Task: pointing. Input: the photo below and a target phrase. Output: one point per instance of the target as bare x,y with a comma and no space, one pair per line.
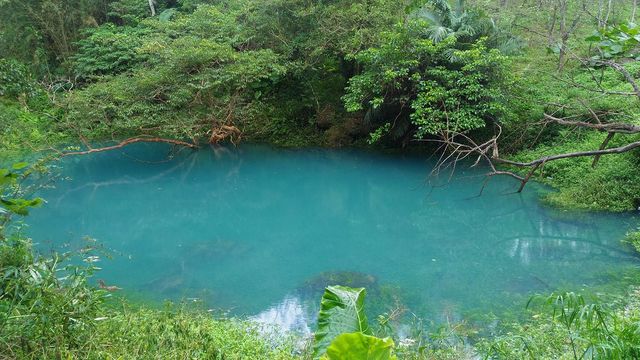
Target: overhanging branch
622,128
458,146
129,142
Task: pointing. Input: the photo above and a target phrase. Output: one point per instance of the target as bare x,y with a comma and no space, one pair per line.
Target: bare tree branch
623,128
458,147
616,150
621,69
128,142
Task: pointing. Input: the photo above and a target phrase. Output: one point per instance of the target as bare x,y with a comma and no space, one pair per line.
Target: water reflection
288,315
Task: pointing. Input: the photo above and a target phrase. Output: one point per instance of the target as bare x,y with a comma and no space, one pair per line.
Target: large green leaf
358,346
341,311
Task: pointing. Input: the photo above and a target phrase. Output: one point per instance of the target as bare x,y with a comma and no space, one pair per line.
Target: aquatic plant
343,331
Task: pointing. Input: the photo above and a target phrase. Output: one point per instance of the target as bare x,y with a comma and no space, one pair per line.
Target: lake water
259,231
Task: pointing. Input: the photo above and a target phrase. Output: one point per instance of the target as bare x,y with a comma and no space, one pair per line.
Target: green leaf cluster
616,41
190,78
435,85
16,81
108,50
10,192
568,326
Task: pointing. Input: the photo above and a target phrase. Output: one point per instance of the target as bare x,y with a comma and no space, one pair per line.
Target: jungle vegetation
540,90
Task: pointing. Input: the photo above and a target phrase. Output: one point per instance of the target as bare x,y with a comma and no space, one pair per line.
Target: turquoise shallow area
260,231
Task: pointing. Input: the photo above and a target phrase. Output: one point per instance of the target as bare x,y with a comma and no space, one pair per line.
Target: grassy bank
138,332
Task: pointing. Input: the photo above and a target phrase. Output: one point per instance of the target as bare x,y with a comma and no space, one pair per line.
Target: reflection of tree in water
291,314
125,179
182,163
550,238
507,246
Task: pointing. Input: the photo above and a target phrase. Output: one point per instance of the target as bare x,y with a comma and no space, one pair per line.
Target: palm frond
430,16
443,10
438,33
459,8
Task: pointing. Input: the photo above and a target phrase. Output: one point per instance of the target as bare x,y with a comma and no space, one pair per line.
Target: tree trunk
606,18
152,7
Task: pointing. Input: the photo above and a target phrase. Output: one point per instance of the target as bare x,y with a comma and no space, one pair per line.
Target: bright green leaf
358,346
341,311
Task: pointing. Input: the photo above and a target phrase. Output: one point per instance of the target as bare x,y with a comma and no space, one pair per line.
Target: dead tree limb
627,76
616,150
460,147
129,142
622,128
152,7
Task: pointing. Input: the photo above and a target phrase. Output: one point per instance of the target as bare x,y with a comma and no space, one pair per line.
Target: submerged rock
354,279
170,283
527,284
213,249
167,284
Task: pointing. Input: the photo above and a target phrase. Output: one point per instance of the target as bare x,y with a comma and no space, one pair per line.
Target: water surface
260,231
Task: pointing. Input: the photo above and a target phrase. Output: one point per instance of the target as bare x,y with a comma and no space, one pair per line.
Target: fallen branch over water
129,142
457,146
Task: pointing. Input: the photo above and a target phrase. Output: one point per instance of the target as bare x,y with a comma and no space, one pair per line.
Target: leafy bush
436,84
193,83
16,81
27,128
108,50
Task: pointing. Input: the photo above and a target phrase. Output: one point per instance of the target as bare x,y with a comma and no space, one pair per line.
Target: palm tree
467,25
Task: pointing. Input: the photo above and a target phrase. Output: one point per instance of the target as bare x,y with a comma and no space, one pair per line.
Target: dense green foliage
582,185
440,86
296,72
189,83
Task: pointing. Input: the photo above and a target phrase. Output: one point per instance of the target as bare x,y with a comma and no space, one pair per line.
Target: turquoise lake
259,231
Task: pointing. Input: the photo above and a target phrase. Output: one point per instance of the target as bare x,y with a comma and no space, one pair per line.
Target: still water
260,231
